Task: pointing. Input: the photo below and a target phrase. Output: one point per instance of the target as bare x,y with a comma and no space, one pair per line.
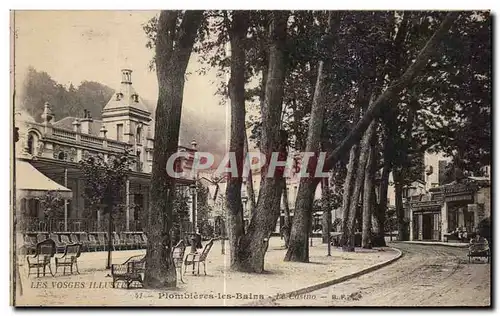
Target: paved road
424,276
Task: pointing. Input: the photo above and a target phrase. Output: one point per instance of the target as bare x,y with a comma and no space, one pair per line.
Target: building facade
448,208
55,147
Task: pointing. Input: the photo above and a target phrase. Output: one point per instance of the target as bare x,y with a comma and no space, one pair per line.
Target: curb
331,282
444,244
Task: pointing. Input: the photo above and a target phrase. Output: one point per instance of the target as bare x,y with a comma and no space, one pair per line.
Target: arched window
62,156
31,144
138,135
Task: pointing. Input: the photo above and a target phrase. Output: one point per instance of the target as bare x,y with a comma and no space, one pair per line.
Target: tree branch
394,89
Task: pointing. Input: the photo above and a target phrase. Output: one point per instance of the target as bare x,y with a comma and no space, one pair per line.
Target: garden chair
126,241
94,242
75,239
44,252
130,271
84,240
143,240
137,240
40,237
178,256
103,241
117,243
65,239
479,248
69,258
197,258
59,245
29,243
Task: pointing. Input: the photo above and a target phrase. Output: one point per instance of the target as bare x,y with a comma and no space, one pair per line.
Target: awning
31,183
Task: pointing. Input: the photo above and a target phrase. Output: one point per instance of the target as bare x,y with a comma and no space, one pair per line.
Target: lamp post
192,187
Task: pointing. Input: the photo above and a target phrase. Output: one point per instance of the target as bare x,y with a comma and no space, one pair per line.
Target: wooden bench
44,252
130,271
69,258
197,258
479,249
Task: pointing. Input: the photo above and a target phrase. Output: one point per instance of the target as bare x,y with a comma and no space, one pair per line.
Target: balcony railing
62,133
91,139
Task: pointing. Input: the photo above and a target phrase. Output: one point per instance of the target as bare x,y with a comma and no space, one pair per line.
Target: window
31,144
119,132
138,135
62,156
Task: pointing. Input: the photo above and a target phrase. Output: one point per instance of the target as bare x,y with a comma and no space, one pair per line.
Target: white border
145,5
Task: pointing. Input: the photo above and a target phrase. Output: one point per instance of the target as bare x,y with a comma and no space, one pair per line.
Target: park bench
130,271
178,256
69,258
197,258
479,249
44,252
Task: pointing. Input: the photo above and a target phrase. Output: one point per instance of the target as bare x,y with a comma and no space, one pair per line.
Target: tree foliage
39,87
104,181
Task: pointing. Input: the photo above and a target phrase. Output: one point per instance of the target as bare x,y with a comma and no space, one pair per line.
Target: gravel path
424,276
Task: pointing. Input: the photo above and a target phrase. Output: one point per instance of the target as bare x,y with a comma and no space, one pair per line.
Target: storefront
448,208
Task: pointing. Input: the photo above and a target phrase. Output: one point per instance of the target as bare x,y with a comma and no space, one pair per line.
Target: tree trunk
110,241
392,91
237,36
381,210
288,221
173,48
298,249
358,186
253,245
399,205
327,213
249,183
346,198
368,196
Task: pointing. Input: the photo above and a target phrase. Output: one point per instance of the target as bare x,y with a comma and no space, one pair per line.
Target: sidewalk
439,243
220,287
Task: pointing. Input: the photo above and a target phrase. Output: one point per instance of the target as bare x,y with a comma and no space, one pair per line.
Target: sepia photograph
257,158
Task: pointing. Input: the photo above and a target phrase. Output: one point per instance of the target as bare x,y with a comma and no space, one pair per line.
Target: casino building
48,154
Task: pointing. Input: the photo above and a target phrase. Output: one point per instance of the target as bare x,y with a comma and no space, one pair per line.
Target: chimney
126,84
86,122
